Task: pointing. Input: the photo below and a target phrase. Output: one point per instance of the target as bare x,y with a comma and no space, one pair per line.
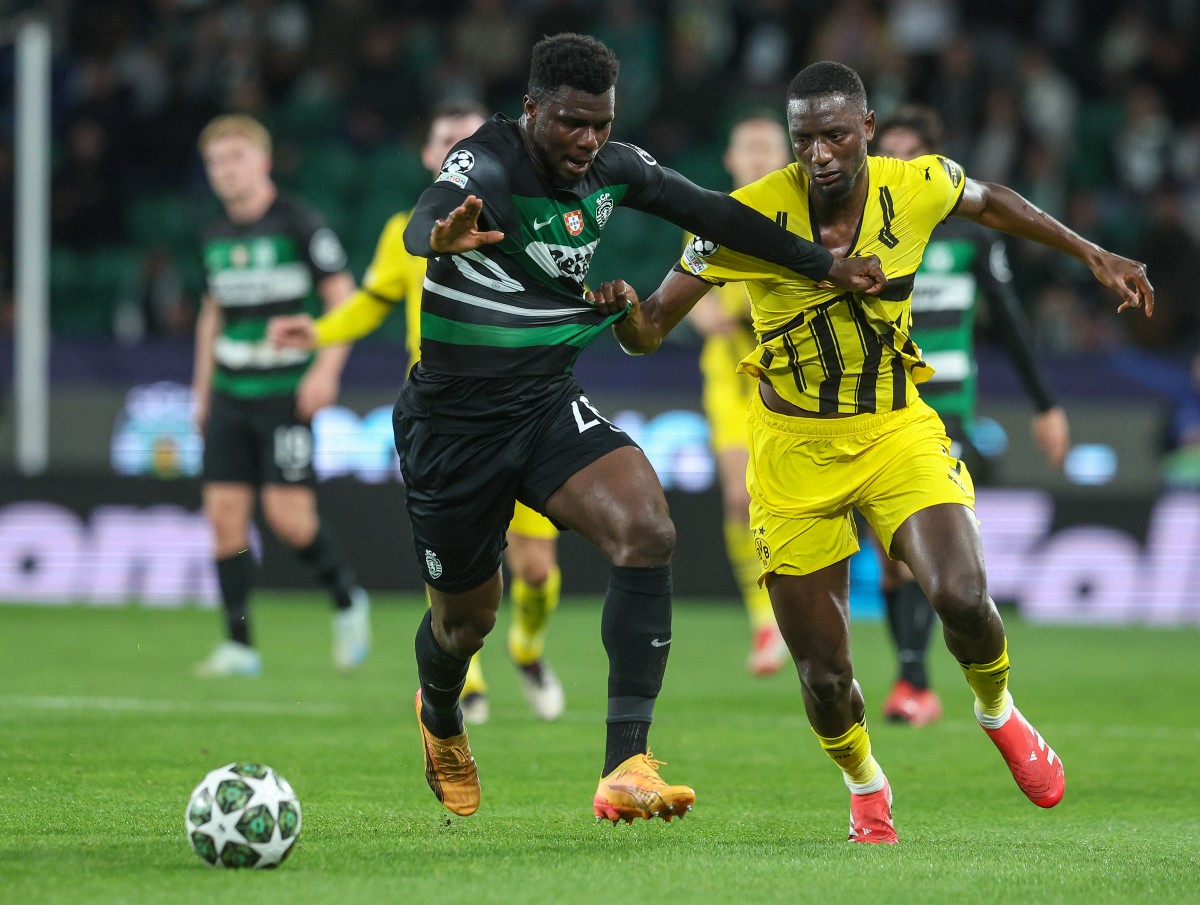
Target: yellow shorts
528,523
806,475
726,393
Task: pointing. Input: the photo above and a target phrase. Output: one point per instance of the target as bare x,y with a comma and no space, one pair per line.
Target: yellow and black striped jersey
822,349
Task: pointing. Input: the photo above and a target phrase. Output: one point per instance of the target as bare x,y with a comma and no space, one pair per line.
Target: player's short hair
457,110
757,115
235,124
826,78
568,60
921,120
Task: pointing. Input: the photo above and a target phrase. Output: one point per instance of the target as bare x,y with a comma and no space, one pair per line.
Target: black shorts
257,441
462,480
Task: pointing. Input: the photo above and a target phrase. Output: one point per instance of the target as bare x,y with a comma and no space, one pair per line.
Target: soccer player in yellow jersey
758,145
837,423
395,276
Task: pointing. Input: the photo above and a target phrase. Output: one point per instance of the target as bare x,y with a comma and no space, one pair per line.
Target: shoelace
648,767
460,768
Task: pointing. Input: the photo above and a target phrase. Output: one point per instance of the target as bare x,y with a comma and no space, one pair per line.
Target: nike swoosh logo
537,225
654,642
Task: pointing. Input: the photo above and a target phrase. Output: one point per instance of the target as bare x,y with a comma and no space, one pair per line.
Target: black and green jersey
517,308
943,324
255,271
962,264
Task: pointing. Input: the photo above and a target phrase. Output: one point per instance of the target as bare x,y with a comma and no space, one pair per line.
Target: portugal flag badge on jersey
574,221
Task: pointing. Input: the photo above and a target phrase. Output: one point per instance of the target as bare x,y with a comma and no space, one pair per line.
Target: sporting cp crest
604,209
574,221
433,565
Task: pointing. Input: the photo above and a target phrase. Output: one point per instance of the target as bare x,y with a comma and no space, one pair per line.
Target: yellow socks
852,752
746,569
989,681
532,607
474,683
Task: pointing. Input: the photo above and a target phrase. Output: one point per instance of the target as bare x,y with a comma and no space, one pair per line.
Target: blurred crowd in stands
1091,108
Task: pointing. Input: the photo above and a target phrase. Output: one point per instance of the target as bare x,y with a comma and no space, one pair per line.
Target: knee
961,600
535,573
647,540
229,532
829,684
296,533
463,637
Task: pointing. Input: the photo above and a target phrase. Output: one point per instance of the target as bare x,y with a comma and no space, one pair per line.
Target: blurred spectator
1092,109
1167,243
86,196
1140,145
493,42
384,96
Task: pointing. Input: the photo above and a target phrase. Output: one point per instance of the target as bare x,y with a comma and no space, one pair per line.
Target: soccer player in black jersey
838,424
491,413
963,263
265,255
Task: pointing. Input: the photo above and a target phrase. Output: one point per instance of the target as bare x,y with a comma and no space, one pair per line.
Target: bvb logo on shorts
763,551
433,565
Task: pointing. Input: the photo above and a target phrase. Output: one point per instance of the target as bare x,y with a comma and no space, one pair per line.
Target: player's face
568,130
756,147
444,134
901,142
236,167
829,138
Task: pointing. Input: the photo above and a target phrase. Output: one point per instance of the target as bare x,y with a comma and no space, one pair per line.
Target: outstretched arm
446,223
727,221
646,323
999,207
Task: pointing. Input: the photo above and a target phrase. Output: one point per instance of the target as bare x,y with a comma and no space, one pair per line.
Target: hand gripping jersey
822,349
255,271
517,308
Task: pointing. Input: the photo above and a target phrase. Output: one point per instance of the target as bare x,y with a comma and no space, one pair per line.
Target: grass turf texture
103,734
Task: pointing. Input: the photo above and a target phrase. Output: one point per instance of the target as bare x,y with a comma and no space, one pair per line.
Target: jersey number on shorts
583,422
293,451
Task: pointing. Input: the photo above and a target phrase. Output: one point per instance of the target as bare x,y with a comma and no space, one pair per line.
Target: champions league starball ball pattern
243,815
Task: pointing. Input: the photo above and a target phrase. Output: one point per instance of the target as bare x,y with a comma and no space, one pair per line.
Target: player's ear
530,108
869,125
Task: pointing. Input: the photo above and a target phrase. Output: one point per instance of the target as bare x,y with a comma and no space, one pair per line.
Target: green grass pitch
103,734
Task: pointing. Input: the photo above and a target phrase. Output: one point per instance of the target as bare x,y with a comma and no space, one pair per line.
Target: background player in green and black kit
962,262
265,256
491,413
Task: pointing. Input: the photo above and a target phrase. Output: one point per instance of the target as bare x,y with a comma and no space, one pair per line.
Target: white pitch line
144,705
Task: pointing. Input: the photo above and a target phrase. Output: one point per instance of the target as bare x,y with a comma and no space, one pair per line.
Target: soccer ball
243,815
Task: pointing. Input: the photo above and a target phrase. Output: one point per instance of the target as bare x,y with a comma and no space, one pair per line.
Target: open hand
460,231
858,274
292,331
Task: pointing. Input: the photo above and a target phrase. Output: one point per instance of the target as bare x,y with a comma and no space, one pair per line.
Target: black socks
442,676
910,618
636,630
324,559
235,575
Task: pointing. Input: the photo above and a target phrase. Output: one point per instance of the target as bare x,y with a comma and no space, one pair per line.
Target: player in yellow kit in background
758,145
395,276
